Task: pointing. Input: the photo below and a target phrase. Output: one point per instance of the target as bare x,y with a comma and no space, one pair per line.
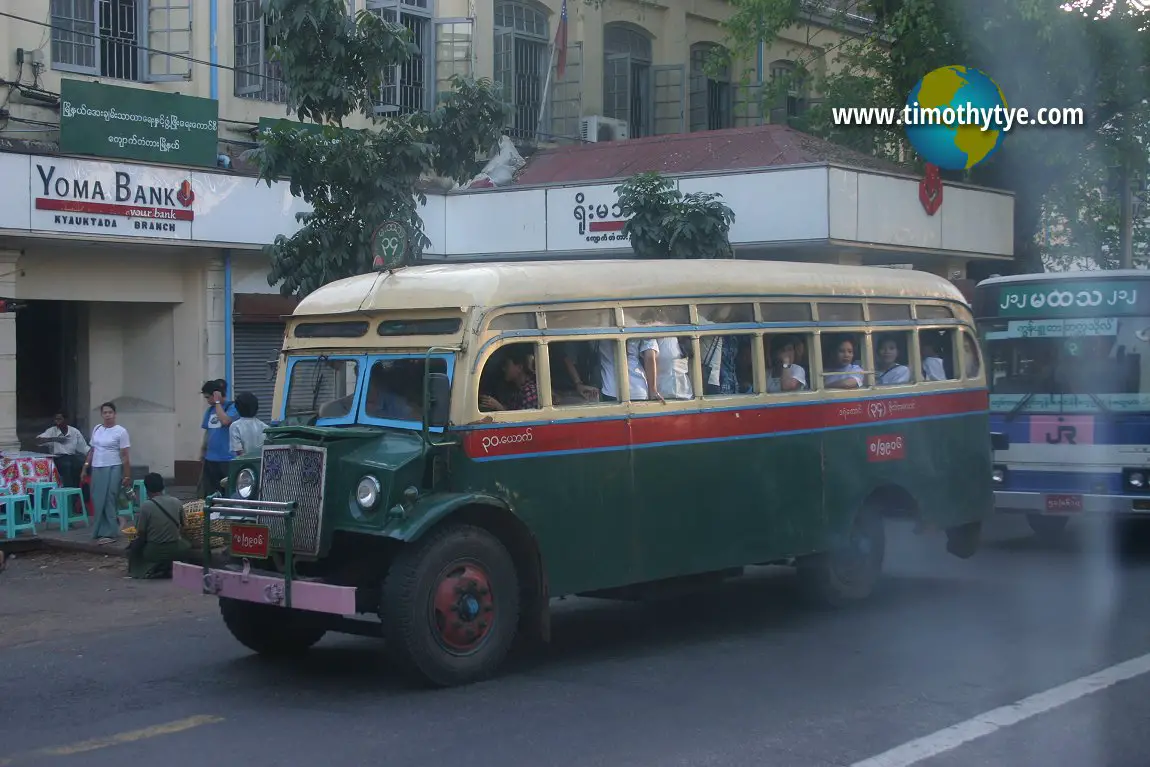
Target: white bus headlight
367,492
1137,479
998,475
246,483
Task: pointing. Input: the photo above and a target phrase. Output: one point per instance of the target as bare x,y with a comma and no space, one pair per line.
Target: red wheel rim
462,607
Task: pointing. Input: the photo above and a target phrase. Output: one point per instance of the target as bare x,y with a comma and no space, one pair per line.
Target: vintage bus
1067,352
456,445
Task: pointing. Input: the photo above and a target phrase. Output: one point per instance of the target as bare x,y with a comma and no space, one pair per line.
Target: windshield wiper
1014,411
320,363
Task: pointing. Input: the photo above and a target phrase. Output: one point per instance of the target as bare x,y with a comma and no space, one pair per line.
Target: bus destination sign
1079,299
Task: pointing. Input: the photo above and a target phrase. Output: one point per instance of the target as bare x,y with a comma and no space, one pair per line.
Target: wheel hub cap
463,607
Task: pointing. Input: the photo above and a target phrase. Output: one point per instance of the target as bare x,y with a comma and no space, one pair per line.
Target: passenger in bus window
785,374
889,369
841,361
516,369
720,355
972,362
673,369
933,368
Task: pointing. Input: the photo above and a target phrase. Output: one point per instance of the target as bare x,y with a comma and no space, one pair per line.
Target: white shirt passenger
775,383
636,376
933,369
107,444
896,374
848,372
673,370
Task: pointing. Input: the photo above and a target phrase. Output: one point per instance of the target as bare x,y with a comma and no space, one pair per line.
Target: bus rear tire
850,572
270,630
1047,529
450,606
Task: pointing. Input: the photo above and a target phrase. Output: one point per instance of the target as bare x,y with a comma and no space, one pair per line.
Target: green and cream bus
454,446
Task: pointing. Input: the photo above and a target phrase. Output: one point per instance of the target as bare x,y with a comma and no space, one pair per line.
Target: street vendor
67,446
158,540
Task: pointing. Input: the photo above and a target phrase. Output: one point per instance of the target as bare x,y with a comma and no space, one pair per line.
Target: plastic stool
41,501
10,510
62,506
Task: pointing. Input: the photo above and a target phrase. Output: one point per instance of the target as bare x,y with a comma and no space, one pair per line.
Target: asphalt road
746,676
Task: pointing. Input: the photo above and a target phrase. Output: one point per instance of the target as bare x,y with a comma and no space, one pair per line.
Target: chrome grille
295,473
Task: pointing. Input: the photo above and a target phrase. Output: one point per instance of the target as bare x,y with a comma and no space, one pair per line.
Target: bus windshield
326,389
1096,364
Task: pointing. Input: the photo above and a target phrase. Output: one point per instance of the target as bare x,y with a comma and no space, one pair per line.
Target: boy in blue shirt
216,452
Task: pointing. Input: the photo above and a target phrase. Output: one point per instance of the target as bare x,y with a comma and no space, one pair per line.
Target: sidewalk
79,536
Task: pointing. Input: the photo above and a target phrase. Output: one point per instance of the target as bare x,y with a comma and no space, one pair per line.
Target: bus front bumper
265,589
1070,504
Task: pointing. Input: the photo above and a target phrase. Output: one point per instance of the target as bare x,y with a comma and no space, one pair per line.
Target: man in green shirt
158,540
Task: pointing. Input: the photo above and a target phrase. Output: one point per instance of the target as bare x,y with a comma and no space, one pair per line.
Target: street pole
1126,233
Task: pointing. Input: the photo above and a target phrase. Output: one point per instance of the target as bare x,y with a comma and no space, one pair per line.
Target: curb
111,549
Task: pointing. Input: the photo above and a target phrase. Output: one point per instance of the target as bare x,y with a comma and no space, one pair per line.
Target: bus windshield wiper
320,362
1014,411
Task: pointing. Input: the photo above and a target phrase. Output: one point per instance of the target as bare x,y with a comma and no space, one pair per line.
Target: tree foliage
355,179
662,222
1089,53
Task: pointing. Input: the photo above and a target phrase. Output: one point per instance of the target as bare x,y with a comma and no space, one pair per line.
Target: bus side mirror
439,400
999,440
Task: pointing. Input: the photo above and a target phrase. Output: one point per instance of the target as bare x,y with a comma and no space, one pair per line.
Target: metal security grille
406,88
295,473
254,345
119,39
74,37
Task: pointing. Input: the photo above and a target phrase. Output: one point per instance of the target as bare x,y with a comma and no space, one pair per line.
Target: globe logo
955,117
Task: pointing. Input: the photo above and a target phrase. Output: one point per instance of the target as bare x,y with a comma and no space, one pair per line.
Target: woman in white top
889,369
111,469
785,374
933,368
849,374
673,370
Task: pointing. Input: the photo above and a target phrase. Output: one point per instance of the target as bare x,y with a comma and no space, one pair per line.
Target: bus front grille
295,473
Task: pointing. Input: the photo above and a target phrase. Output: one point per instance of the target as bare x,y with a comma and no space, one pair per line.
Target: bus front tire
270,630
849,572
1047,529
450,606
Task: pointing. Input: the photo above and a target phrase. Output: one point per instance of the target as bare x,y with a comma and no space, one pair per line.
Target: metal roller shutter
253,345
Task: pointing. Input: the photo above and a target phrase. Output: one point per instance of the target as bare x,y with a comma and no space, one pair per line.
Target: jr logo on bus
1062,430
886,447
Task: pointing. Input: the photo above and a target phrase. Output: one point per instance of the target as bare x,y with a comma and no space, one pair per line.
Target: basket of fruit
131,532
193,527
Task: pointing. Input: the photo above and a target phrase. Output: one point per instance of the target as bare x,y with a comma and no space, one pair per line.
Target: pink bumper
265,589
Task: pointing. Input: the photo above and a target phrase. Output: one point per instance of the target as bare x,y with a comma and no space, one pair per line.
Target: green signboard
138,124
1085,298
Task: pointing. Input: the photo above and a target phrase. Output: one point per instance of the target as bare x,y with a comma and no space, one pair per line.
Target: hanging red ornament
930,190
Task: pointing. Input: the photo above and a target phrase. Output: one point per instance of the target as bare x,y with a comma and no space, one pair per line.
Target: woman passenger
850,374
517,371
111,469
889,369
785,373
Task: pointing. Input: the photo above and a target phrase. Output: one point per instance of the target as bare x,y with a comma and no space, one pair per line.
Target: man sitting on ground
158,540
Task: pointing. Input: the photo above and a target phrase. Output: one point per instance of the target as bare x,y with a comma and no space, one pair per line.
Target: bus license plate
1064,503
250,540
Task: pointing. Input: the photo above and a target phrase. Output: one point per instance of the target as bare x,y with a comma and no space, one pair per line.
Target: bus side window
664,359
728,364
509,380
972,360
892,358
787,361
583,372
844,363
937,349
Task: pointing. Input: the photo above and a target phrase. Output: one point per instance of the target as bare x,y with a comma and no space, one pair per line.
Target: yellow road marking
120,739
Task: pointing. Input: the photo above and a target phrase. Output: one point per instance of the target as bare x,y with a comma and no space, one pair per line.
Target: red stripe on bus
618,433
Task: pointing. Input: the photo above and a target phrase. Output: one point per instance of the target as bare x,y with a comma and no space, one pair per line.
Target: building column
214,327
9,440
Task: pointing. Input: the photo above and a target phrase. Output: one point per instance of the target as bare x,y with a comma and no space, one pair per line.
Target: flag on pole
561,40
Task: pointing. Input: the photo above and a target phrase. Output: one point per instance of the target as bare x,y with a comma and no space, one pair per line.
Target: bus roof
1092,274
463,286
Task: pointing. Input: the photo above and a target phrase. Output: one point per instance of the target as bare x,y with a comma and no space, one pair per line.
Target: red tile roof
721,150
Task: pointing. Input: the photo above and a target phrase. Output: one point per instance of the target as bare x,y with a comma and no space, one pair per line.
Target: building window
108,38
711,96
792,102
521,58
256,76
407,86
627,78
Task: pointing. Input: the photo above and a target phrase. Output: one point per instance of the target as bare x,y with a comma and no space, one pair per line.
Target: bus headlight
246,483
1137,479
367,492
998,475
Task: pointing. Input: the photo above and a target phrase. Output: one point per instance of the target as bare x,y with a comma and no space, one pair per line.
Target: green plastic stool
62,507
41,500
10,512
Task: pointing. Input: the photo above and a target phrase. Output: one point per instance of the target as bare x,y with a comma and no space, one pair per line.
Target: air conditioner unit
599,128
